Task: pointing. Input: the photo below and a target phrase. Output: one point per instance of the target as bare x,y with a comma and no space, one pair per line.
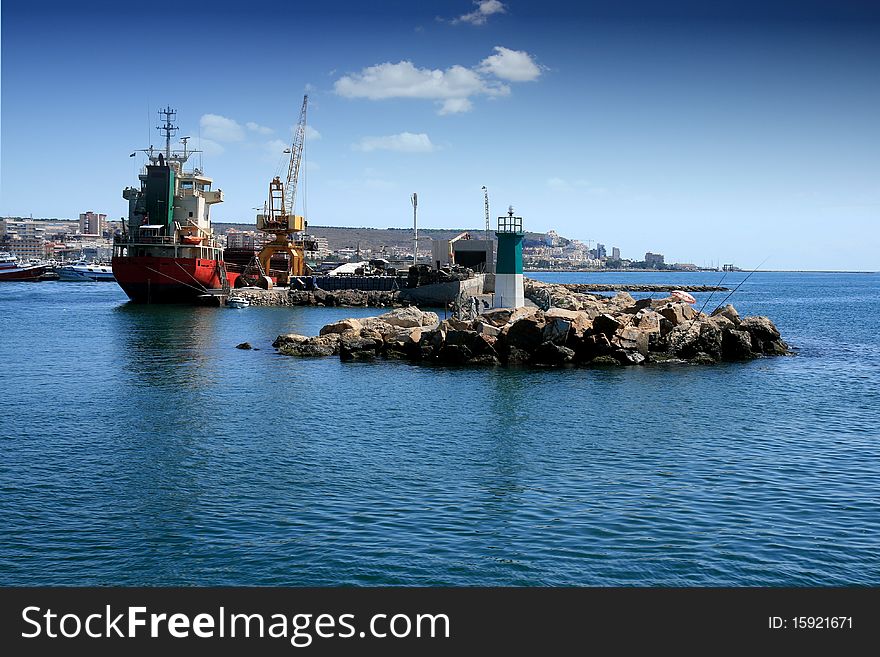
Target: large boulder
590,307
581,321
647,320
455,324
683,340
556,330
468,347
727,311
765,336
516,356
760,327
678,313
407,336
627,357
342,326
322,345
462,338
736,345
378,329
486,328
526,333
496,316
622,300
607,325
721,322
632,338
289,338
353,347
552,354
710,340
409,317
591,347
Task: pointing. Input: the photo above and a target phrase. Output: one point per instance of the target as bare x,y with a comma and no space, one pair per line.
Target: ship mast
168,128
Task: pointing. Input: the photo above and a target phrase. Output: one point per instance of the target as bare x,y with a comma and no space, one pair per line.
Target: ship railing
124,240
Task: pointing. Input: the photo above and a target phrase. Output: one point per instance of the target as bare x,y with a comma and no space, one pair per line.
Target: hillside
339,237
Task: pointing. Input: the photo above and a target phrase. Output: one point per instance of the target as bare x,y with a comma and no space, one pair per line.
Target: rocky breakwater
341,298
345,298
607,331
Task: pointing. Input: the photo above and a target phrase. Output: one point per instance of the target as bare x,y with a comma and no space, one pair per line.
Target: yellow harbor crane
278,217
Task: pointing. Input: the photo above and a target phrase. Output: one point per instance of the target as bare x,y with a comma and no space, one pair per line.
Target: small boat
191,239
82,271
237,302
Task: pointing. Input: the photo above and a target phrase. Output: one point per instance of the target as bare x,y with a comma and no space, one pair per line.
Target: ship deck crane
278,218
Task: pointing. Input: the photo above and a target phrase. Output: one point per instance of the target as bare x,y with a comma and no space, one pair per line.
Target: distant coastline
683,271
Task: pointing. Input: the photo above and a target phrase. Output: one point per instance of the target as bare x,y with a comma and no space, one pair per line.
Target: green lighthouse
508,266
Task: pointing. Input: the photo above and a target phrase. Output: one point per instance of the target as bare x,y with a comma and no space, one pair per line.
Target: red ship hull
150,279
22,273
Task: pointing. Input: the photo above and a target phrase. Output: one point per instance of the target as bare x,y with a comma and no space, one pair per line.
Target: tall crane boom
296,150
278,218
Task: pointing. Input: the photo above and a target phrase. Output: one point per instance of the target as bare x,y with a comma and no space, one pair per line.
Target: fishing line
741,282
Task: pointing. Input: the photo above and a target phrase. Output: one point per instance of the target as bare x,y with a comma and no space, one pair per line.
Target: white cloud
210,147
312,134
480,15
256,127
455,106
403,80
513,65
220,128
405,142
450,88
275,147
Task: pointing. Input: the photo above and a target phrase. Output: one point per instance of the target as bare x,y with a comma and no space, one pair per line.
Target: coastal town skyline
737,133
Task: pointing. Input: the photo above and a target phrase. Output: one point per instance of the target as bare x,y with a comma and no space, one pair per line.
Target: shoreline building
654,259
92,223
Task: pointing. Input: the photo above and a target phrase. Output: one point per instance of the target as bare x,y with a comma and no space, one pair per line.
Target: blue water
140,447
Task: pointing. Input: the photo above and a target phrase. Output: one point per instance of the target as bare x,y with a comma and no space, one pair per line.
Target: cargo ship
167,252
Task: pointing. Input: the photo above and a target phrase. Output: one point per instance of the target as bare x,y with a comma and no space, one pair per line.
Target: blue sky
721,131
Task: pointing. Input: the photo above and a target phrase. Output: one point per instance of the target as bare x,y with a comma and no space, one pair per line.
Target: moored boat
167,252
12,270
82,271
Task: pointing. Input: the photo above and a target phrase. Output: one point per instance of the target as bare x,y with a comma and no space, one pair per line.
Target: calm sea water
140,447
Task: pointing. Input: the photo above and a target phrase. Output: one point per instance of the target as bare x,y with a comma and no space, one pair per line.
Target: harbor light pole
415,203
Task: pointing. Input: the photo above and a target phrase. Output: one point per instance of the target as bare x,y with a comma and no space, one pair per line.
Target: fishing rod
712,293
728,296
741,282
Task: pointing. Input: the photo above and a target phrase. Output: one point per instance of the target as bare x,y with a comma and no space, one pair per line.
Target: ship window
190,214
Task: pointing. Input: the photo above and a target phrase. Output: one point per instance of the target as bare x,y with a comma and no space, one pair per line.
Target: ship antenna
168,128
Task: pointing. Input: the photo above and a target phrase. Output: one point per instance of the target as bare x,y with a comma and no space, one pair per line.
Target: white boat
237,302
81,271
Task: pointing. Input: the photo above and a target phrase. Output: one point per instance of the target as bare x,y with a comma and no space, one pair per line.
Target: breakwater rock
343,298
641,287
617,331
352,298
580,296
